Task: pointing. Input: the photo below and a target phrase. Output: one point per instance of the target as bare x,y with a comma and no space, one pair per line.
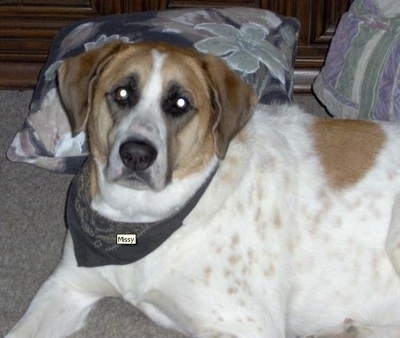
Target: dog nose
137,155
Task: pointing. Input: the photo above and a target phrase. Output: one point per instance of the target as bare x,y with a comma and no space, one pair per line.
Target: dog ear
233,102
76,79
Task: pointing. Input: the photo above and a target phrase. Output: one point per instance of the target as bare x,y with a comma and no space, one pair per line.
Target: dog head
153,112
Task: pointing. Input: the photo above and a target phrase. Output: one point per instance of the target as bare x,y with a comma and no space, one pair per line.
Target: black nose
137,155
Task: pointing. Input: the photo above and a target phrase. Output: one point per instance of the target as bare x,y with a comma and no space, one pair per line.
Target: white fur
145,122
271,250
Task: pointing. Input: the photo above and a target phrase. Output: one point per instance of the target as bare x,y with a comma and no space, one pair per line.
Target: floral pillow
258,44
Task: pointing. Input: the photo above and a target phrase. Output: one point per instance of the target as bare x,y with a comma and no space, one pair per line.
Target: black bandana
95,237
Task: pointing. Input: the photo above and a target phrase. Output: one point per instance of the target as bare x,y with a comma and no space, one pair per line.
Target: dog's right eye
121,94
126,95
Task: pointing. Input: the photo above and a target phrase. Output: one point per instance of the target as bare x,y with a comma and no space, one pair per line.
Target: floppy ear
77,77
233,102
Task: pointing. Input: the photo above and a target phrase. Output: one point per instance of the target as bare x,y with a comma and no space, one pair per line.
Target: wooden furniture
27,28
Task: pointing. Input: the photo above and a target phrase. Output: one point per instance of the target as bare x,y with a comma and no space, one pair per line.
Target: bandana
95,237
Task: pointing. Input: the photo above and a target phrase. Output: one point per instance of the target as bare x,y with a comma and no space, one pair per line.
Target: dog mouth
137,181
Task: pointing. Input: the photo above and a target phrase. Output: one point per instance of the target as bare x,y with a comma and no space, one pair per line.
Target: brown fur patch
347,148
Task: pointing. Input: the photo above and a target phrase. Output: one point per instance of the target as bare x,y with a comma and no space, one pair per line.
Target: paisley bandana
95,237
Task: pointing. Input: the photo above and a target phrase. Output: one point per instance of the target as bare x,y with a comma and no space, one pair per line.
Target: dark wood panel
325,15
19,75
210,3
105,7
288,7
27,28
53,3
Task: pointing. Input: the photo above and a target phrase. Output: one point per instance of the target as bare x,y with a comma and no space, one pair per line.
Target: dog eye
182,103
121,94
126,94
178,106
177,101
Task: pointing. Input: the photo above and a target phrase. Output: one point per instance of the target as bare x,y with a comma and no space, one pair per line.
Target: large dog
251,221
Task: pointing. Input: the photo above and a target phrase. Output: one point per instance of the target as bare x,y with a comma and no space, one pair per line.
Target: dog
288,225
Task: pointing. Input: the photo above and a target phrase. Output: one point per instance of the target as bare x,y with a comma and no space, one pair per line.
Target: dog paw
347,330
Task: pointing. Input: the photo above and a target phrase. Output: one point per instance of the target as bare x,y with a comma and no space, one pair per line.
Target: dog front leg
56,311
63,302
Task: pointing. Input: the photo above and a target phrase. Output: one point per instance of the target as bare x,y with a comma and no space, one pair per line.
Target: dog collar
95,237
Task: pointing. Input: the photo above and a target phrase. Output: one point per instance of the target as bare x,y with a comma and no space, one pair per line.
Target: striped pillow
361,75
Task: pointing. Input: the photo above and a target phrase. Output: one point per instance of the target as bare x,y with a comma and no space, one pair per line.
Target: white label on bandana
126,239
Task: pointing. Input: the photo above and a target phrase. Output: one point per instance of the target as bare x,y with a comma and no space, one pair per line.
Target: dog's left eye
177,102
182,103
177,106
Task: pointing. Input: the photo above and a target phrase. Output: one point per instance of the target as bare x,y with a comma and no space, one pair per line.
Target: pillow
361,75
259,45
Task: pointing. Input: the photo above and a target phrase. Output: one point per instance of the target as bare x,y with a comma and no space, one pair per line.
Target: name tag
126,239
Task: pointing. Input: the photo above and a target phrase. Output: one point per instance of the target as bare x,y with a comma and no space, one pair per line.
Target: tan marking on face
347,149
128,61
192,147
100,120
